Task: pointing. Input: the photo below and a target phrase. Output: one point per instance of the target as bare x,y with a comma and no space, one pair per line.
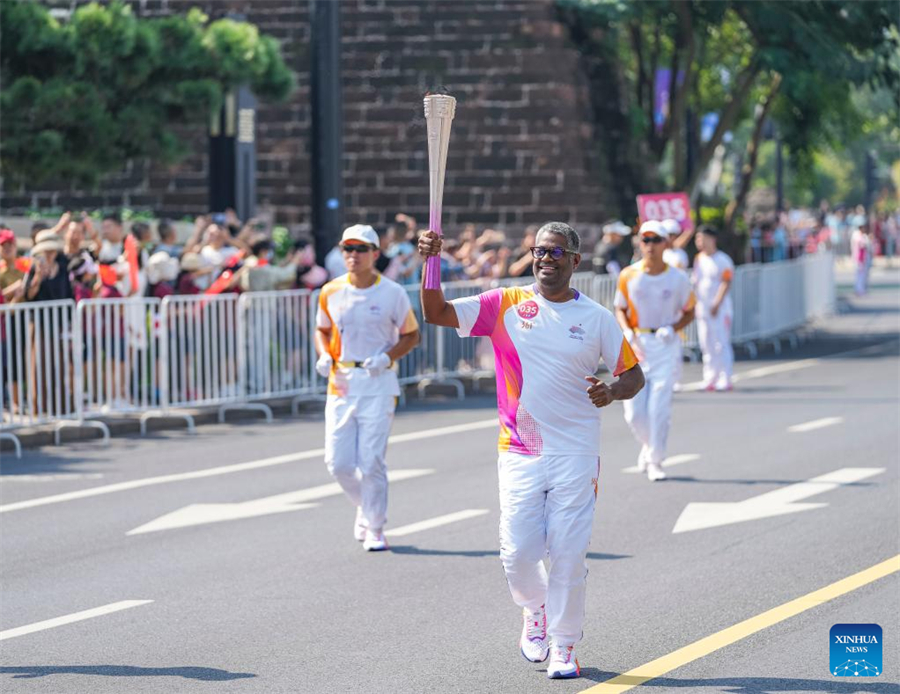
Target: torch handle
433,264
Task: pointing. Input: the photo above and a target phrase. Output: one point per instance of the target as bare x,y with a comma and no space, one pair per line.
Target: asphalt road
283,599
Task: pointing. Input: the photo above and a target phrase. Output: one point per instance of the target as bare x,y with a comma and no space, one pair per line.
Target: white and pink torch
439,112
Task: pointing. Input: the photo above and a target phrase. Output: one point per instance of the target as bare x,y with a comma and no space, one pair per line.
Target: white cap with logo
360,232
652,226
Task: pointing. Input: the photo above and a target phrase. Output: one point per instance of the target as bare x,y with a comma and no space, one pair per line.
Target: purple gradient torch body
439,112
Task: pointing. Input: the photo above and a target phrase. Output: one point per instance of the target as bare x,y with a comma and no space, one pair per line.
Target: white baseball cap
671,227
360,232
652,226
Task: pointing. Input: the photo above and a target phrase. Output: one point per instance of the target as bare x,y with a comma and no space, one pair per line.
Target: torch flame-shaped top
440,106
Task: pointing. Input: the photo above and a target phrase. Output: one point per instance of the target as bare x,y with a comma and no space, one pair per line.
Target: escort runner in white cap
548,342
365,324
713,272
653,302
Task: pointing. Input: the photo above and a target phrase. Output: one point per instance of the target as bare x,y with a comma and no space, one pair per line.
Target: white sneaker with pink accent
563,664
374,541
533,642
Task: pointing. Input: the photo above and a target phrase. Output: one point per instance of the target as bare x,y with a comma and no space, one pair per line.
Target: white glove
629,335
323,365
377,364
665,334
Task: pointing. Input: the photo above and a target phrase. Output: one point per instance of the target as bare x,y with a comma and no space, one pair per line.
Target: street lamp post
327,123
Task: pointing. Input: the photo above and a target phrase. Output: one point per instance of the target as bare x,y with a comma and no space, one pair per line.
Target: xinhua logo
855,650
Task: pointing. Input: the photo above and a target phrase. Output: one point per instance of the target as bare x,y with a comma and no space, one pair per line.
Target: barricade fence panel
276,352
37,366
119,352
200,351
60,362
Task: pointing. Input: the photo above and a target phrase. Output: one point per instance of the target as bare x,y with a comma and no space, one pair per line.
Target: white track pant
547,509
714,335
862,279
356,434
650,411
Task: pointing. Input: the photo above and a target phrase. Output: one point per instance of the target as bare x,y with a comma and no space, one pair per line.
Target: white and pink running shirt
543,351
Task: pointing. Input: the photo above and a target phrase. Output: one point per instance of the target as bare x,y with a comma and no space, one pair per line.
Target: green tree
80,98
792,61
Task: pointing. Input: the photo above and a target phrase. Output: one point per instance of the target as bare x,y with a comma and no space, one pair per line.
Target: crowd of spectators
798,231
78,259
73,259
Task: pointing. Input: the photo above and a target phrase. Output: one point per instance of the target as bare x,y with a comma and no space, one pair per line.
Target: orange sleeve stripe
631,312
627,358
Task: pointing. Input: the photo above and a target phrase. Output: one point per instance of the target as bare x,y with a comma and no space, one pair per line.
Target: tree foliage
82,97
731,54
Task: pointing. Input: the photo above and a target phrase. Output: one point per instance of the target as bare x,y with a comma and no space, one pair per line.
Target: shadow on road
748,685
204,674
412,549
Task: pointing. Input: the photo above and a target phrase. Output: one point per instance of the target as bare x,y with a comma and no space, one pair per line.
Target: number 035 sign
661,206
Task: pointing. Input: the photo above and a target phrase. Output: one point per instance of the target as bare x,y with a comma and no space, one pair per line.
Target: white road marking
791,365
228,469
815,424
700,516
436,522
61,477
760,372
70,618
201,514
669,462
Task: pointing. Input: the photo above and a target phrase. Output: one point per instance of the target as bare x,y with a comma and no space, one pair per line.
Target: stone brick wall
521,149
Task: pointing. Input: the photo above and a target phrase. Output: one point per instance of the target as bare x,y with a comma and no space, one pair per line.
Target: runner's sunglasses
556,252
358,247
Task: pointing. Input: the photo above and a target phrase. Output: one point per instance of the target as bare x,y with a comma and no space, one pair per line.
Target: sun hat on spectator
6,235
671,227
191,262
161,267
360,232
652,228
47,240
617,227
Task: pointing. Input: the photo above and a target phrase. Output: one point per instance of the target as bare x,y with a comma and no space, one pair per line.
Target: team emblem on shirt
527,310
576,332
375,310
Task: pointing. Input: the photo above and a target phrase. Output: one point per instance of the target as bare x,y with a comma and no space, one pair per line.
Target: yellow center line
726,637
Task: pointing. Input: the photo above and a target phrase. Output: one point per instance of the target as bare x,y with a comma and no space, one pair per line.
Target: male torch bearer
439,111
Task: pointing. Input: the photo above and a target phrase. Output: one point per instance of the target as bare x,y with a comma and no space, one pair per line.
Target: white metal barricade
120,355
200,357
64,365
39,369
276,352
